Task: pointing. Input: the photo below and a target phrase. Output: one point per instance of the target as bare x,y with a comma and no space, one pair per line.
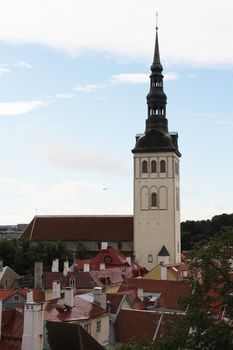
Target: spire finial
157,21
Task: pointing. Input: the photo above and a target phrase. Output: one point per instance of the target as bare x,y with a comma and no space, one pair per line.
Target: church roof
86,228
163,251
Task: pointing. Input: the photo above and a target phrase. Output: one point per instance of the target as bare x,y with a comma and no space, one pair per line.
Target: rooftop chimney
33,326
66,268
29,296
56,291
163,271
55,266
86,267
104,245
69,297
102,266
100,298
140,294
38,272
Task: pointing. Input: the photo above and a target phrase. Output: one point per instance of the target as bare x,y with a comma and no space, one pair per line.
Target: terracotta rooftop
38,295
12,329
72,228
140,324
82,310
170,291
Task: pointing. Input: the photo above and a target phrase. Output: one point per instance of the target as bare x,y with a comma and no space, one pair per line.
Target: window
162,166
87,327
119,245
16,298
99,245
98,326
150,258
153,166
72,282
154,199
144,166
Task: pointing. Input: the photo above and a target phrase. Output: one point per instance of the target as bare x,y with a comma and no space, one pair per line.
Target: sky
74,76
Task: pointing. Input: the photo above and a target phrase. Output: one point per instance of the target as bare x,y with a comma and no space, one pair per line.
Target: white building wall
159,225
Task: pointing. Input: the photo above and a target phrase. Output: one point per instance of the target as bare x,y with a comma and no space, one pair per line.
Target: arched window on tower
154,199
153,166
144,166
162,166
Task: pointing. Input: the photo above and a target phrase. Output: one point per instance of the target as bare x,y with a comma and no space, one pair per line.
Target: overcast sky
73,79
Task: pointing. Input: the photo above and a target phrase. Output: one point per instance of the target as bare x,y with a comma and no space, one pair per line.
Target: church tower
156,180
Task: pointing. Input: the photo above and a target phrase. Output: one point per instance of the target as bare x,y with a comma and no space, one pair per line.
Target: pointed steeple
156,61
156,99
156,136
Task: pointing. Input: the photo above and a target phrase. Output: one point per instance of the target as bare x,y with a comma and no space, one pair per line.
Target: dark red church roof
73,228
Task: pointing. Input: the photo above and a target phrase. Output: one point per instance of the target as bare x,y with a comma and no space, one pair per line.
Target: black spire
156,136
156,98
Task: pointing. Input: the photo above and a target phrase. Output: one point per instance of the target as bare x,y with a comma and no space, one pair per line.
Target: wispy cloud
64,96
87,88
130,78
20,107
171,76
22,64
66,27
4,70
8,67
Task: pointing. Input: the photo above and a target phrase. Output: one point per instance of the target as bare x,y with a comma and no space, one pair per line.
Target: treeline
21,255
195,231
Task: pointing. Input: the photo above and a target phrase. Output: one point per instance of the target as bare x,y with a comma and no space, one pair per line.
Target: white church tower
156,180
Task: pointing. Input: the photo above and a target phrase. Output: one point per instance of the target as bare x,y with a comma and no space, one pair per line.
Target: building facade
156,180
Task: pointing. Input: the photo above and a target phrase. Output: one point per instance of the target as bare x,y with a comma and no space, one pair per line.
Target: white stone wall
155,226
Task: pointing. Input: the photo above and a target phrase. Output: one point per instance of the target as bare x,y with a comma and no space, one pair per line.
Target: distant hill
195,231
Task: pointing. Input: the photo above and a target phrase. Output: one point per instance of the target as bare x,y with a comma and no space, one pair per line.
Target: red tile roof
115,300
12,329
110,257
138,324
82,310
38,295
72,228
170,291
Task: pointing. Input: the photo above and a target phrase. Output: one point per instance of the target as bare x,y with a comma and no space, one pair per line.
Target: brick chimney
33,326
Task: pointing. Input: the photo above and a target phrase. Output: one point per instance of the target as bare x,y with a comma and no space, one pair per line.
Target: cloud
130,78
4,71
171,76
22,64
189,31
66,96
87,88
71,158
20,107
